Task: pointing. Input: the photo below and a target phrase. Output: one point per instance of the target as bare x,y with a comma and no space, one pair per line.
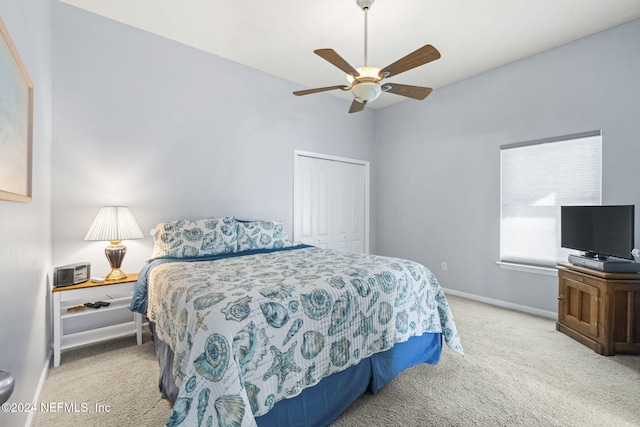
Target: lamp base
115,254
115,274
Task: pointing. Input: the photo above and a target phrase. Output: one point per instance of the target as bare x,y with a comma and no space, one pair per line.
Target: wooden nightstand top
130,278
597,273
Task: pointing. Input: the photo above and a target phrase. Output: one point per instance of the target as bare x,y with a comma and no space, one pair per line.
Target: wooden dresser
601,310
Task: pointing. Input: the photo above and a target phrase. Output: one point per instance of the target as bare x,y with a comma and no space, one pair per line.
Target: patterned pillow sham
187,238
261,235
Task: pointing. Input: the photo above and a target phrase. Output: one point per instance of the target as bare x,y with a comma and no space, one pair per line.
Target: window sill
547,271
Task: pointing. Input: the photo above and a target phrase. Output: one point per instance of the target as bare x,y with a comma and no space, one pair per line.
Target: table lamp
114,223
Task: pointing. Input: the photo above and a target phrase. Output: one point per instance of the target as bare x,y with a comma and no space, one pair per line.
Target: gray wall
439,189
25,245
174,132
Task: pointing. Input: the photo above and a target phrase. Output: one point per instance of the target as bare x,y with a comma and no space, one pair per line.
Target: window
538,177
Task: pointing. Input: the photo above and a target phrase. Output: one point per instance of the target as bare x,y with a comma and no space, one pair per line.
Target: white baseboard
523,308
36,397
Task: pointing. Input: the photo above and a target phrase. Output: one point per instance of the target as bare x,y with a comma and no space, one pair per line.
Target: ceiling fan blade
332,56
415,59
415,92
320,89
356,106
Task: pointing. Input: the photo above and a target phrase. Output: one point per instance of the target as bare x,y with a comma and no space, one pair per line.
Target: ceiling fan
365,82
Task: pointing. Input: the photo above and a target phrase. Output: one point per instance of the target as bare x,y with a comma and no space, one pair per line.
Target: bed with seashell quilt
251,329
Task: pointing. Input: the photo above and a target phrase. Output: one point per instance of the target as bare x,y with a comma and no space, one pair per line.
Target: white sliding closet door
330,199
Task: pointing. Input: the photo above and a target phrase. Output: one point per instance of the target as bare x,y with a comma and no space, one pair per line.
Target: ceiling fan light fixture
366,91
365,73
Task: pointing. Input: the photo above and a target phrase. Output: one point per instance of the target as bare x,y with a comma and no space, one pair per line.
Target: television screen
598,230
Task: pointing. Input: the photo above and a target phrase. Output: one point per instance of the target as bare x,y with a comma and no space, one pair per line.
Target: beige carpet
518,371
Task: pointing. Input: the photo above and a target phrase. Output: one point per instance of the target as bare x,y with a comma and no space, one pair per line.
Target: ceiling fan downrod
365,5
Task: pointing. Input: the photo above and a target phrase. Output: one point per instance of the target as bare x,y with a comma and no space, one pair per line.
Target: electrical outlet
444,265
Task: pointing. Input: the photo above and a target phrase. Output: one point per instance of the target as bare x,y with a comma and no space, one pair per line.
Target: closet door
312,203
348,212
330,198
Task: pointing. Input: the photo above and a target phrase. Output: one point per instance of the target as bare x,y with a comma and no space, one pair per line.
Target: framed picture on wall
16,123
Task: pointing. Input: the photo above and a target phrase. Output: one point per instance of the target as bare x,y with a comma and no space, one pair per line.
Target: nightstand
116,292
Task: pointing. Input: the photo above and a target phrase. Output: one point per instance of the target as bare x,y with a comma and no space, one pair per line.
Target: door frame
301,153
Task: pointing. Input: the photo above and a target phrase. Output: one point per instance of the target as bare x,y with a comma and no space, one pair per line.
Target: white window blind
538,177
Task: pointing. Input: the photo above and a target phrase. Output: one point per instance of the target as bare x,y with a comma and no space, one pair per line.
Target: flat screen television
598,231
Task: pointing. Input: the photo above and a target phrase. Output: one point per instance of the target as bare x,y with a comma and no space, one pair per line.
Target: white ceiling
279,36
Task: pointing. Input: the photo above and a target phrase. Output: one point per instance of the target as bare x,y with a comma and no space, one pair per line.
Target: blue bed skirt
323,403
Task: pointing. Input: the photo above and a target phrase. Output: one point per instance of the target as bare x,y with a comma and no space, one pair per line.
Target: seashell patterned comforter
251,330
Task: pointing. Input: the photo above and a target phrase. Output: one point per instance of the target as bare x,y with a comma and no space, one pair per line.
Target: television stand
599,309
611,265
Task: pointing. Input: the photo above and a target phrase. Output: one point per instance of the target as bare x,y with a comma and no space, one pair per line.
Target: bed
251,329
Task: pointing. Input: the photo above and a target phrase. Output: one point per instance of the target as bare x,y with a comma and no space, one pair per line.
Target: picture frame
16,123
